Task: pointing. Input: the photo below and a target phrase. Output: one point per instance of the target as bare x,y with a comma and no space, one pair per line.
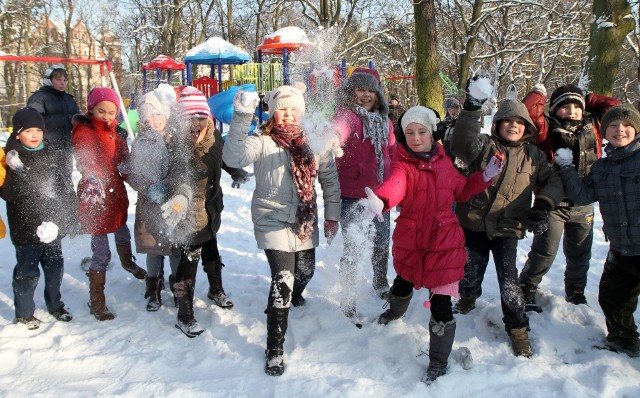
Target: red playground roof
163,62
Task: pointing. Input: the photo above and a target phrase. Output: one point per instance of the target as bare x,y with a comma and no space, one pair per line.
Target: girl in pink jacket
428,243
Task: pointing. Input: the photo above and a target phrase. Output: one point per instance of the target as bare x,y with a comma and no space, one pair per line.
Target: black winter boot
172,282
186,321
397,307
153,293
216,293
277,322
128,261
575,294
441,336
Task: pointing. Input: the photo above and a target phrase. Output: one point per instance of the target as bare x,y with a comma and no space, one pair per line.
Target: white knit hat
421,115
286,96
157,102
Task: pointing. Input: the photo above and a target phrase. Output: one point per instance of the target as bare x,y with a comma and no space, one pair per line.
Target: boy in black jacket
36,198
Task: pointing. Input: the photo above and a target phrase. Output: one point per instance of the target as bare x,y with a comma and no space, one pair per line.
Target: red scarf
303,168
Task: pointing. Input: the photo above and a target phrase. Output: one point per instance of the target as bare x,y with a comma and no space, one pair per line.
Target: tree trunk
467,56
612,22
428,81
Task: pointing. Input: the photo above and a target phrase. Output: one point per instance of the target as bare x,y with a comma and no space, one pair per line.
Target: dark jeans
441,310
210,251
355,230
504,252
577,225
618,297
26,275
290,274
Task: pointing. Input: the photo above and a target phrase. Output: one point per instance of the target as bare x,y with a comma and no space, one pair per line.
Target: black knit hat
26,118
566,94
626,112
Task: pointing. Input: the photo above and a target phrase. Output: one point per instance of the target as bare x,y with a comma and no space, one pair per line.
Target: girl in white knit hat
283,209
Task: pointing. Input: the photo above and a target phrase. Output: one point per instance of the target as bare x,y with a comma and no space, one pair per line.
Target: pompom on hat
26,118
192,102
286,96
99,94
566,94
626,112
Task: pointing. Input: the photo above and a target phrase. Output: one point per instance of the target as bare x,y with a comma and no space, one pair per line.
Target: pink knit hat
193,103
99,94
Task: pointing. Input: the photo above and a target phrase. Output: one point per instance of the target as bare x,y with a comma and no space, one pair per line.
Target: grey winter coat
275,199
614,182
502,209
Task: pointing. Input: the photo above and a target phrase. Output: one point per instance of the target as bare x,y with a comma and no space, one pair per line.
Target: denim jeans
100,247
26,275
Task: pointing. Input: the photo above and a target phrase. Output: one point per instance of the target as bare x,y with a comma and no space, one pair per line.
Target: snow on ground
141,353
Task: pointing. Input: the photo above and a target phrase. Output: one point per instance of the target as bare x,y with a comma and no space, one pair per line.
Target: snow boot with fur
441,337
96,303
185,320
128,261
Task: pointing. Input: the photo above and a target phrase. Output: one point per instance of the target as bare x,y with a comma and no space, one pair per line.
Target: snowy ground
142,354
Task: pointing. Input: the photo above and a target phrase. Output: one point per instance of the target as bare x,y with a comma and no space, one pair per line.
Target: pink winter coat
358,167
99,149
428,243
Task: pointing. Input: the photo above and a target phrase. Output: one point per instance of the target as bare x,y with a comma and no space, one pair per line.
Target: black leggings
188,266
290,274
440,304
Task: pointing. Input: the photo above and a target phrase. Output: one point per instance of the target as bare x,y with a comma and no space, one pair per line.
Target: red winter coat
428,243
99,148
358,167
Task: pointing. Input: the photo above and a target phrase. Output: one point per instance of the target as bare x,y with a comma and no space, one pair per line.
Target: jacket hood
514,108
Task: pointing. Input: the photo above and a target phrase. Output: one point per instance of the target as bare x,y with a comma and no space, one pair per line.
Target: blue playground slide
221,105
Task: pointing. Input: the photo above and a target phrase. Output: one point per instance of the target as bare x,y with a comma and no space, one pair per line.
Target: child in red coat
428,243
100,148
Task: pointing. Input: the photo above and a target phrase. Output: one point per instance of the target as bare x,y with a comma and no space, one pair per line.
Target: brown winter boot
128,261
520,342
96,296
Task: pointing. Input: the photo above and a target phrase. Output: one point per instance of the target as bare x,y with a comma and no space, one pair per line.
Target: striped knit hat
193,103
566,94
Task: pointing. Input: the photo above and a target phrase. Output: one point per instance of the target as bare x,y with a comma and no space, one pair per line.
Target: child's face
511,129
31,138
569,111
368,99
105,111
156,122
453,112
59,83
620,133
199,126
418,137
287,115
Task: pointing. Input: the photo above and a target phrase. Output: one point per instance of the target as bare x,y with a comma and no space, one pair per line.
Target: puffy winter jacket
36,195
428,243
358,167
275,200
614,182
57,109
99,149
502,209
3,173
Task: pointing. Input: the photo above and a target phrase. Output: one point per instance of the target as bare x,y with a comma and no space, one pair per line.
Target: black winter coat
36,195
57,109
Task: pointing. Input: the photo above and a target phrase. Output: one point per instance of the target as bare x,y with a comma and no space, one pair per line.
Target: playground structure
103,63
159,64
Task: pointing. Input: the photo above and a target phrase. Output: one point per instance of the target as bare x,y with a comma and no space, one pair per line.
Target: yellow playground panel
272,76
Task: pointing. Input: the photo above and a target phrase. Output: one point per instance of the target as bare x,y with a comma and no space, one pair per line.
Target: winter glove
175,210
13,161
240,177
563,157
245,102
47,232
540,88
478,91
157,193
494,167
93,191
538,219
330,230
373,204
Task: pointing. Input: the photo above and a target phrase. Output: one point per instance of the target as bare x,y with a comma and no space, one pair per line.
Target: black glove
471,103
538,219
240,177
